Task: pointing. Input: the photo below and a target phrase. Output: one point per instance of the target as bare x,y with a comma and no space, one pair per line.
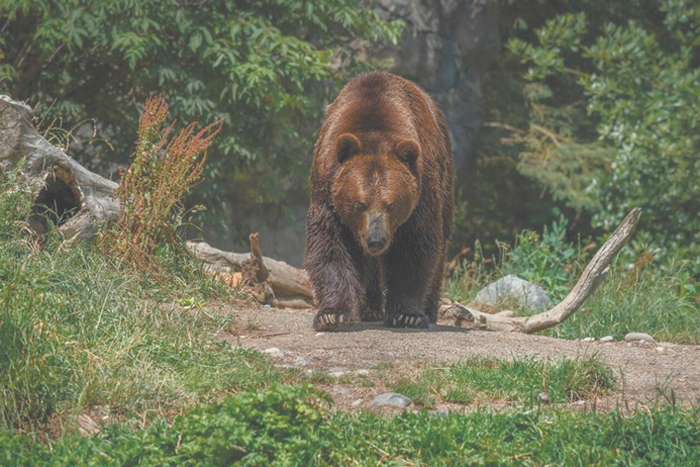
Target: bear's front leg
331,263
408,269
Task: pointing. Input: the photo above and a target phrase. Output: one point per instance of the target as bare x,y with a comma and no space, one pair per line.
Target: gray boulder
392,398
514,291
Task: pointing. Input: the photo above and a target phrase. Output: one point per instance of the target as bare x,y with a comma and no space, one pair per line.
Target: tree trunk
65,192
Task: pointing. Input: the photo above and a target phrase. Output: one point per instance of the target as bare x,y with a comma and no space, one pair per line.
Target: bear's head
374,192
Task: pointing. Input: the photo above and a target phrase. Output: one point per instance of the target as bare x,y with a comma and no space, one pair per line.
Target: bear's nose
376,242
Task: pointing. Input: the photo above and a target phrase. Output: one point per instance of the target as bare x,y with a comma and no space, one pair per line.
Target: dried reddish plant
162,171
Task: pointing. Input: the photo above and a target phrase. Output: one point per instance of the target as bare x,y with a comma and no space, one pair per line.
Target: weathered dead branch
592,276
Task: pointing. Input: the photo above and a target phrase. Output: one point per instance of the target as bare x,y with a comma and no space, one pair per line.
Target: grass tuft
481,379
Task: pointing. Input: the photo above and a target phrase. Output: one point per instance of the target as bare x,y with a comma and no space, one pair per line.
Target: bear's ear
408,152
347,146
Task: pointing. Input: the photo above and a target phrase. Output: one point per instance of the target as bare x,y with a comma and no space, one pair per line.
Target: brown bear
382,203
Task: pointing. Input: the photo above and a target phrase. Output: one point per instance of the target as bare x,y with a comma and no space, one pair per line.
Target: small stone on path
301,361
606,339
639,336
588,339
274,352
362,372
659,349
319,334
337,371
356,403
392,398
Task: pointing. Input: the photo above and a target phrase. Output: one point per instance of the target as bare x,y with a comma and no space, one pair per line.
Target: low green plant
285,426
547,259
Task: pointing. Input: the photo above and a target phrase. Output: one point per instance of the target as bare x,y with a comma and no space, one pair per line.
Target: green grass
520,380
76,332
287,426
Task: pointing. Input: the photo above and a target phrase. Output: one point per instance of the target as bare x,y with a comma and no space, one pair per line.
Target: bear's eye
362,207
390,207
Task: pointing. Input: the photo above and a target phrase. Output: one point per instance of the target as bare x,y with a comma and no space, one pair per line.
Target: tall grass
651,302
77,332
162,171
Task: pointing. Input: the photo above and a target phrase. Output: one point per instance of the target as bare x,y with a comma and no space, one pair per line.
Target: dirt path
644,373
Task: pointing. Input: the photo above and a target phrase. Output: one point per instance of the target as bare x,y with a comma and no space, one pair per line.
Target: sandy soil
646,374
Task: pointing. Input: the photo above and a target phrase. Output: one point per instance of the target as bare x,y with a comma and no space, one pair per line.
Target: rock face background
446,47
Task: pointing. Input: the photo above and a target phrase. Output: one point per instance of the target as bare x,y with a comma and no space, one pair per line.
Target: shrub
150,193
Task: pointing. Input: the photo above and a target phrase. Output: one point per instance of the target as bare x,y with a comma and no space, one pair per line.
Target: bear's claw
407,321
328,319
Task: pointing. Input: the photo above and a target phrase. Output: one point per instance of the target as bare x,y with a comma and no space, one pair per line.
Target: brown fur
381,204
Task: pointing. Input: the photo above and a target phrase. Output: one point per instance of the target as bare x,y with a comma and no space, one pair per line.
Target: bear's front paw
329,318
405,320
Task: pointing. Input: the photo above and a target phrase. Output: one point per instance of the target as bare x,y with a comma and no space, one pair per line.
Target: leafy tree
614,115
263,65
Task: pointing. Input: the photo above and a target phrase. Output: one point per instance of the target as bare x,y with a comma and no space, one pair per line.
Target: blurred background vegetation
580,110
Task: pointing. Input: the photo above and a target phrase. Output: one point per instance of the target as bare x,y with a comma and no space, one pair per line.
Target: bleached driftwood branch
590,279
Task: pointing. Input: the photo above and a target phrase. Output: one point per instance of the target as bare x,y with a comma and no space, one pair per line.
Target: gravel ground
646,374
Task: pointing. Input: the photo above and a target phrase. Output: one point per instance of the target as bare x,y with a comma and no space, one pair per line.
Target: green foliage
547,259
619,97
481,379
287,426
264,66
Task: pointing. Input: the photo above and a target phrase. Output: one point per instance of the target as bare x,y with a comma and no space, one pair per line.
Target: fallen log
66,193
290,285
